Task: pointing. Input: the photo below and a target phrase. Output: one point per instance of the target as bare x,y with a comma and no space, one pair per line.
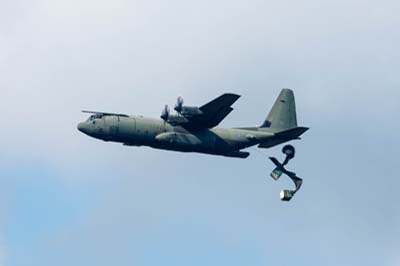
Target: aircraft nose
82,127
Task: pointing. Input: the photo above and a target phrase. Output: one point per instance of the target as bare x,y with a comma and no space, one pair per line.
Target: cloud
135,56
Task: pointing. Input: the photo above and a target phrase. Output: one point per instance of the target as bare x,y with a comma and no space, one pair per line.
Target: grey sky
57,57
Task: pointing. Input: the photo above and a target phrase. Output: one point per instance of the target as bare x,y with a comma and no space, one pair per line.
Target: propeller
179,104
165,113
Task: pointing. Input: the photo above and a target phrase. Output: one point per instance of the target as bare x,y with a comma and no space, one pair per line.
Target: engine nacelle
177,120
190,111
187,111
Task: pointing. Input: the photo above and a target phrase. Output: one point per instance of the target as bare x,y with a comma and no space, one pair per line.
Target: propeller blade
165,113
179,104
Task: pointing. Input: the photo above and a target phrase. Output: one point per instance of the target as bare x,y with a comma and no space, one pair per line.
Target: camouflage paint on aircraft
193,129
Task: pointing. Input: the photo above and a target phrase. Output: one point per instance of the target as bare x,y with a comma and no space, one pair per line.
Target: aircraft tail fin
283,113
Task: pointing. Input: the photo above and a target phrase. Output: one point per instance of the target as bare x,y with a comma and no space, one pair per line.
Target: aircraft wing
215,111
103,113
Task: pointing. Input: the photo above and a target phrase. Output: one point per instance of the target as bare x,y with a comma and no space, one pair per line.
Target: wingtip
304,128
237,96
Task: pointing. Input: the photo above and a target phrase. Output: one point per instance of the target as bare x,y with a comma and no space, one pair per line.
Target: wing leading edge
216,110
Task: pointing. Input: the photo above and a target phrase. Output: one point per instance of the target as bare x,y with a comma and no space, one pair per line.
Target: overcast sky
67,199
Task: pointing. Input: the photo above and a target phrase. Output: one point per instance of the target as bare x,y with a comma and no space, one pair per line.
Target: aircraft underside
212,149
234,153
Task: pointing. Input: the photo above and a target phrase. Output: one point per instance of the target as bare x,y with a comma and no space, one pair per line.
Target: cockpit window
95,116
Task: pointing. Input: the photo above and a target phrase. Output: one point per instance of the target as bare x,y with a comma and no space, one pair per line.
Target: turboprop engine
186,111
172,119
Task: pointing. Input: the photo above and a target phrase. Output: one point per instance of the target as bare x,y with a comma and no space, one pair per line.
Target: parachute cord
260,152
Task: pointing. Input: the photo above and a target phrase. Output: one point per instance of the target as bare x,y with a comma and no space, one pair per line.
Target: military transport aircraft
193,129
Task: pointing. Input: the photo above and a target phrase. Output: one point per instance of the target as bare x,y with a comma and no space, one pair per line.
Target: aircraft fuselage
156,133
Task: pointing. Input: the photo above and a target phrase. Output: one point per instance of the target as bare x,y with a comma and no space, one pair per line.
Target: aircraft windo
195,129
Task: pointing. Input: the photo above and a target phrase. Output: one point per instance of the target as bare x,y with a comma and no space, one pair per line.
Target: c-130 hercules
193,129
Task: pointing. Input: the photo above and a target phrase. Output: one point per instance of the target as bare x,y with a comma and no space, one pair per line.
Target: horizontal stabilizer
283,136
293,133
